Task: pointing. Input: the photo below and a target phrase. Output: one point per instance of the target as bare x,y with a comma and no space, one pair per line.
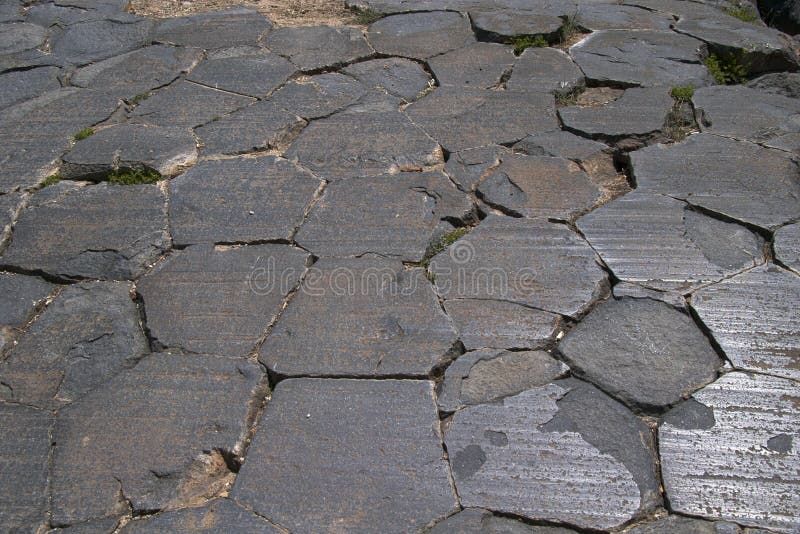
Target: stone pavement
405,279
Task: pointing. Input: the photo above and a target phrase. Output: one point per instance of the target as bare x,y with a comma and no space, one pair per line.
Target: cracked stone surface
596,17
18,86
467,167
316,47
400,77
499,24
252,72
787,246
238,26
547,70
89,41
479,65
675,523
478,521
218,515
420,35
20,296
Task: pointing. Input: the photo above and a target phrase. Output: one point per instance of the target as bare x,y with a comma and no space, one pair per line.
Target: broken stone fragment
467,167
247,71
313,48
318,96
237,26
545,70
479,65
400,77
420,35
217,516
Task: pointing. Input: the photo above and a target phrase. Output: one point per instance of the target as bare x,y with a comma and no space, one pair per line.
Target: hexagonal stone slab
752,318
318,96
731,453
488,375
787,246
399,77
420,35
320,438
361,317
349,145
546,70
479,65
104,231
647,58
134,440
346,221
478,521
247,71
17,86
467,167
643,352
658,242
740,180
90,41
462,118
564,452
316,47
499,24
539,186
218,299
239,200
218,515
531,262
225,28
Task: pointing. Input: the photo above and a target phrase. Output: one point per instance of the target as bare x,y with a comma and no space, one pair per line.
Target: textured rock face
478,521
20,296
323,429
400,77
676,524
316,47
499,25
467,167
420,35
318,96
546,70
787,246
479,65
732,455
18,86
247,71
86,42
230,27
217,516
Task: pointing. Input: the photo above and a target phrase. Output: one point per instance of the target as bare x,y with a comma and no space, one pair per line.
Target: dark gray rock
561,144
498,24
420,35
486,375
319,96
16,37
217,516
107,7
361,317
86,42
636,291
237,26
105,231
779,83
130,146
11,11
479,65
17,86
643,352
24,453
219,299
737,179
239,200
253,73
88,334
346,221
187,105
735,467
781,14
50,14
751,318
20,297
602,16
478,521
468,167
462,118
107,526
546,70
351,145
530,262
10,205
587,460
316,47
675,524
787,246
348,449
134,441
659,243
399,77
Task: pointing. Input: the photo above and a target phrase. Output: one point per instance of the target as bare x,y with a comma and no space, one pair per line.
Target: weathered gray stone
499,324
358,453
24,452
95,526
17,86
104,231
479,65
751,316
217,516
86,42
130,146
646,58
477,521
239,200
18,37
546,70
636,291
361,317
737,179
400,77
319,96
20,296
561,144
539,186
236,26
787,246
499,25
564,453
658,242
133,441
603,16
350,145
461,118
11,11
252,73
420,35
737,461
779,83
531,262
107,7
10,205
187,105
88,334
488,375
49,14
346,221
317,47
467,167
675,524
643,352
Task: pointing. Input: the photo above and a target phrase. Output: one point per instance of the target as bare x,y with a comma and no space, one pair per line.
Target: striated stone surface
602,16
18,86
675,524
498,24
731,453
357,453
319,96
217,516
90,41
787,246
236,26
479,65
546,70
468,167
316,47
253,72
399,77
420,35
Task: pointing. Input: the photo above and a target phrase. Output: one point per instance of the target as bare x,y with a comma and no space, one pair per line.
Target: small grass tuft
743,13
132,177
367,16
53,179
138,98
570,28
682,93
726,70
568,96
83,134
522,42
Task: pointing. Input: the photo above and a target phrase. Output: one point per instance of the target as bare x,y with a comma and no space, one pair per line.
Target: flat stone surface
602,16
18,86
134,440
499,324
737,179
478,521
501,24
539,186
19,37
86,42
350,145
751,317
239,200
479,65
319,96
20,296
658,242
488,375
217,516
218,299
358,453
527,261
778,83
104,231
467,167
164,150
462,118
251,72
11,11
787,246
564,452
402,227
316,47
236,26
546,70
643,352
88,334
397,76
730,454
420,35
361,317
561,144
675,524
